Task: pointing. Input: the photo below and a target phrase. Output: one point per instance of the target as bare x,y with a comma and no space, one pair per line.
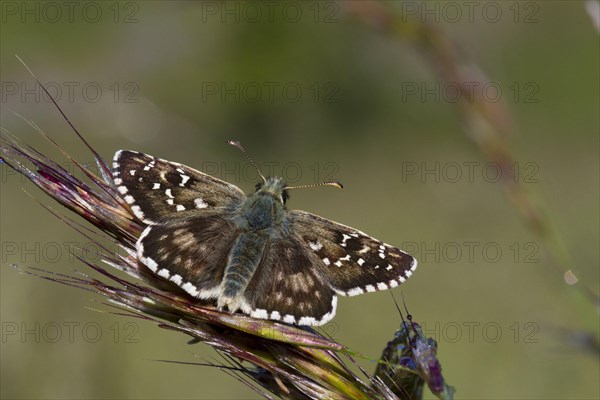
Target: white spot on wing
345,237
259,313
307,321
137,211
361,261
275,315
150,263
156,186
370,288
150,165
356,291
191,289
382,286
200,203
121,189
316,246
176,279
184,179
129,199
326,261
289,319
180,207
168,193
164,273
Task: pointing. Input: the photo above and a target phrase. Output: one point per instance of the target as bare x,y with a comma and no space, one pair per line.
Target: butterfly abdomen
242,261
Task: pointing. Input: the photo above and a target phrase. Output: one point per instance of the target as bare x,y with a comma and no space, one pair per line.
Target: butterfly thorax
264,209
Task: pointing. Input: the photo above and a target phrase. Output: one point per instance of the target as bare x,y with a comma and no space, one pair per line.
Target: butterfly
248,252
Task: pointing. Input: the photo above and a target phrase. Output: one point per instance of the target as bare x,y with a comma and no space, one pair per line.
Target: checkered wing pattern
286,286
352,261
158,189
190,252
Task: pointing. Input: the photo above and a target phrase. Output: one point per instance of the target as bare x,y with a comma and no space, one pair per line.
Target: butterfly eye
258,186
284,196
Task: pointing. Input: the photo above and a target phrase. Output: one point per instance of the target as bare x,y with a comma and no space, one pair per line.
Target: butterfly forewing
287,287
158,189
353,262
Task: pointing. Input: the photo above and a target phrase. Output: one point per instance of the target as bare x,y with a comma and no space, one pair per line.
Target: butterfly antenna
239,146
409,316
397,306
326,183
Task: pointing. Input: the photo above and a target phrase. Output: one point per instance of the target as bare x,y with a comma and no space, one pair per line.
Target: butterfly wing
156,189
190,252
286,286
352,261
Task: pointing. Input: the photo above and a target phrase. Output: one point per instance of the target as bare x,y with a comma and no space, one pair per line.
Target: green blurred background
176,79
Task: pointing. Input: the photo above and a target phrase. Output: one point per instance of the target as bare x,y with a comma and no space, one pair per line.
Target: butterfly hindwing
157,189
353,262
286,286
190,252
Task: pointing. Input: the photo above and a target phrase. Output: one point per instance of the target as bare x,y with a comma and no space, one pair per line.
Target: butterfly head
275,187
